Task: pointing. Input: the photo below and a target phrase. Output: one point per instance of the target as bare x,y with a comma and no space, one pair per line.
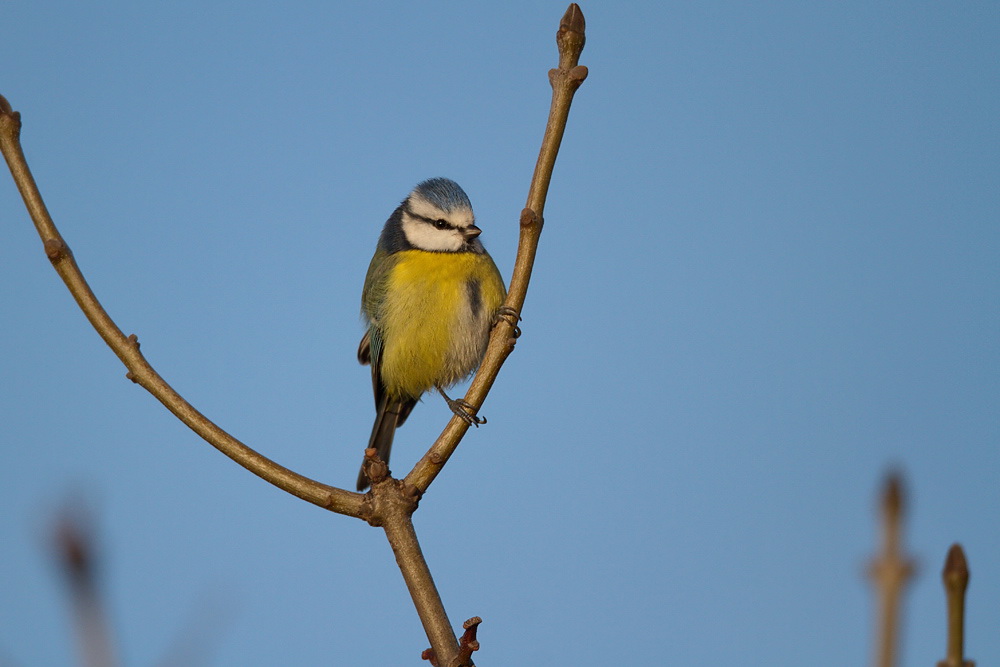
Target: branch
565,80
127,347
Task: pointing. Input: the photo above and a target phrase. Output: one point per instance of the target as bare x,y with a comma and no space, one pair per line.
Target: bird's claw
465,411
511,317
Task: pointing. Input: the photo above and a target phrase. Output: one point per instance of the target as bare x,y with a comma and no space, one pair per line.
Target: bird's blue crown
444,193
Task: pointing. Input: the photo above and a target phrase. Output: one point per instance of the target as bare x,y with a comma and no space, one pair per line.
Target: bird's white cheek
425,237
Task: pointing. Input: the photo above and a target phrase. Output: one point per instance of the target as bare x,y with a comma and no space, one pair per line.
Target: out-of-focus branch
956,580
74,546
565,80
127,347
890,571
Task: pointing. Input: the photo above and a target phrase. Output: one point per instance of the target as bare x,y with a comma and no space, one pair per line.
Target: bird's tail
389,415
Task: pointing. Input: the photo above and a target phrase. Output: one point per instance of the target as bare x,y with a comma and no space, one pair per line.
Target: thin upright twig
565,80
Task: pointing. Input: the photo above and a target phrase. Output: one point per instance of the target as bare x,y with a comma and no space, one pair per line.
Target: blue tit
430,298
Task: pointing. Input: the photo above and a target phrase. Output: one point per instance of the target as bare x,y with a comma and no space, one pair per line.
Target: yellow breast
436,318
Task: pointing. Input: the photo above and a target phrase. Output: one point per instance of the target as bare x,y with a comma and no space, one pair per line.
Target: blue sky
769,273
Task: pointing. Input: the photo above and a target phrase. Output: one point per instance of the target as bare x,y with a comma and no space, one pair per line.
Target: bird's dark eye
441,224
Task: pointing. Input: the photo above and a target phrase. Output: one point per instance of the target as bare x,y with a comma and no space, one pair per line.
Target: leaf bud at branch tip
375,467
956,569
571,36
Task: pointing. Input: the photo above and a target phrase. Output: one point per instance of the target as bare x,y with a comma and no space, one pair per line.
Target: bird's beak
471,232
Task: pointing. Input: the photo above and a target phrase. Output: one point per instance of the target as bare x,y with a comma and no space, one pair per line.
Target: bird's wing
365,349
370,352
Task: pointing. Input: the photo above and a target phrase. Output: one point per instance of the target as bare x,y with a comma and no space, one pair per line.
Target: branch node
133,341
529,218
131,376
388,498
570,79
411,493
429,655
56,249
10,120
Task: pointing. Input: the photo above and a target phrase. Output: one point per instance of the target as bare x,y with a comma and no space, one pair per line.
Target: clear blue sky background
769,273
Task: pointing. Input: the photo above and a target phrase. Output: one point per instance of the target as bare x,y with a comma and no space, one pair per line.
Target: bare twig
890,571
127,347
956,580
565,80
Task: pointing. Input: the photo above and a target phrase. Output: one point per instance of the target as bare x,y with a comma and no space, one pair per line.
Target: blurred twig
890,571
75,548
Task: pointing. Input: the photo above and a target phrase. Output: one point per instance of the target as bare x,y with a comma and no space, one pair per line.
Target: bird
430,298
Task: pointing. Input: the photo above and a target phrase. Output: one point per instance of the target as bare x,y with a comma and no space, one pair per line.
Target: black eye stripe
437,223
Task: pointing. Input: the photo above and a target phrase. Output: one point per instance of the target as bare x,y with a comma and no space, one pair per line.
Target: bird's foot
511,317
463,410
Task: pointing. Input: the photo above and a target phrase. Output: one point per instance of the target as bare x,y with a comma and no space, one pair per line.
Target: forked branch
391,502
